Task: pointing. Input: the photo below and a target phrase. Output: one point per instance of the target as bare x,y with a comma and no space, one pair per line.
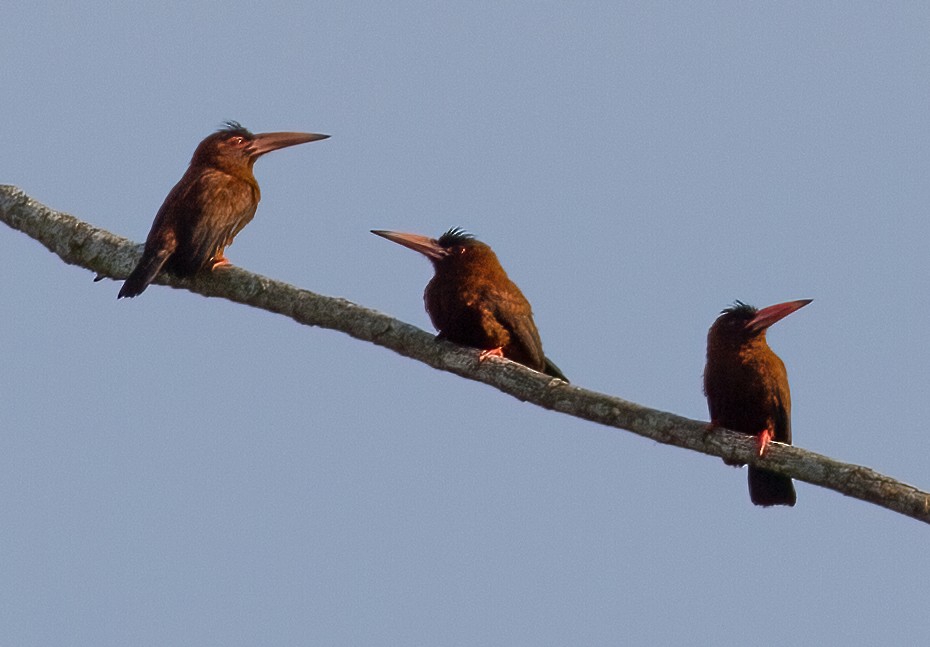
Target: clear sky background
176,470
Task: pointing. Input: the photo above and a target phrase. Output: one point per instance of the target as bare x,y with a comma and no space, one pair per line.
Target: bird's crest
455,236
740,308
236,128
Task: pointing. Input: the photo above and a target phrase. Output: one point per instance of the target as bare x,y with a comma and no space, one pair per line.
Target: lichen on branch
79,243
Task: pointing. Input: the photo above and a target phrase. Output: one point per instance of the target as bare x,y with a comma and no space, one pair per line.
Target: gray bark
79,243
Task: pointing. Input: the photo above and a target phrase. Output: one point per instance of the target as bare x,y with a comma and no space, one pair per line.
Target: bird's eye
460,250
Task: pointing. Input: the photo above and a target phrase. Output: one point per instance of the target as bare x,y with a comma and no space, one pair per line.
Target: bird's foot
219,261
764,439
493,352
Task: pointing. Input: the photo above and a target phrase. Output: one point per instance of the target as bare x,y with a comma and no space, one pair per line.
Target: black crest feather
455,236
236,128
740,309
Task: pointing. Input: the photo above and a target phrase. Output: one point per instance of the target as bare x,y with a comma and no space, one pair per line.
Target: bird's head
235,146
741,322
456,246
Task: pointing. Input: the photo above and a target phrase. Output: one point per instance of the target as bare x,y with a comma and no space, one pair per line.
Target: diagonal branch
79,243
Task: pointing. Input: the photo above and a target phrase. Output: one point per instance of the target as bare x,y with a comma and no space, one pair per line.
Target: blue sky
181,470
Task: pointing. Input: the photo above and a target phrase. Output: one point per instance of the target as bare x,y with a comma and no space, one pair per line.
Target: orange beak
267,142
427,246
767,316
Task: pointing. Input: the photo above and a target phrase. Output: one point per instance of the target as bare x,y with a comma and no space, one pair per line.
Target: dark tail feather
553,370
769,488
148,268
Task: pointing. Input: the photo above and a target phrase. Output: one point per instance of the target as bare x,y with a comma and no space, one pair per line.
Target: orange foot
494,352
219,261
764,439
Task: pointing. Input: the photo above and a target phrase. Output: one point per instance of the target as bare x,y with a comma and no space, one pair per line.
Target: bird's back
476,304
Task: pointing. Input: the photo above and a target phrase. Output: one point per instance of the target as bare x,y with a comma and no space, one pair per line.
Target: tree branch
79,243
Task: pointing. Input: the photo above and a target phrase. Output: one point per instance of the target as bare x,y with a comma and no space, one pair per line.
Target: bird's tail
148,268
553,370
769,488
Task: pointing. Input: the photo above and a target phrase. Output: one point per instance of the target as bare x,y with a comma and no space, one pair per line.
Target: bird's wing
781,401
160,244
513,312
781,420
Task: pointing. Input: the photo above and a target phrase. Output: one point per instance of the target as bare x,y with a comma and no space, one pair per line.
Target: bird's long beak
767,316
427,246
267,142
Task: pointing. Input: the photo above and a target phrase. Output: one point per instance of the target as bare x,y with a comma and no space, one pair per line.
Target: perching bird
212,202
471,301
747,388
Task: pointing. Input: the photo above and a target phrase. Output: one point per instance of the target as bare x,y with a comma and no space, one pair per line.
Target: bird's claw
764,439
493,352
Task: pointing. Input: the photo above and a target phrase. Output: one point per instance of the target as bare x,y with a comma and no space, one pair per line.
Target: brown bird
471,300
212,202
747,389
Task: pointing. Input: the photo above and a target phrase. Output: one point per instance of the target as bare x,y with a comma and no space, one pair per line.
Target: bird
746,385
215,198
471,300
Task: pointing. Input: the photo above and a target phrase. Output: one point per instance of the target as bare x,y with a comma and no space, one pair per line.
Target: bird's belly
465,322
